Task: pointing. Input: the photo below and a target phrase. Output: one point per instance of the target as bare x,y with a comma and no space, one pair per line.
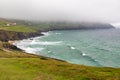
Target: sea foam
72,47
48,42
45,33
33,50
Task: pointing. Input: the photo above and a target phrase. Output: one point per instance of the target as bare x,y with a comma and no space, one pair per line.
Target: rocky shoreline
10,36
5,36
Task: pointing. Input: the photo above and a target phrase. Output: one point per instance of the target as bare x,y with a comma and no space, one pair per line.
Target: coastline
36,67
12,42
45,56
15,64
12,36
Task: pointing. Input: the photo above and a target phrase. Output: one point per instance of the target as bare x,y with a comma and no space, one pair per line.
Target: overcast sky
63,10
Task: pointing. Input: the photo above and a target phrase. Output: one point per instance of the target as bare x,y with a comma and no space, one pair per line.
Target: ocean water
85,47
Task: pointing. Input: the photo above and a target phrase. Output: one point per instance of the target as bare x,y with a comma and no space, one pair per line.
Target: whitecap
72,47
47,43
49,51
84,54
33,50
45,33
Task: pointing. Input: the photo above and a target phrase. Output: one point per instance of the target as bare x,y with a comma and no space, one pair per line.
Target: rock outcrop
10,35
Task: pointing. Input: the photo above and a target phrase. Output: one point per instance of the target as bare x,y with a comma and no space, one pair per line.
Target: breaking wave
45,33
32,50
47,43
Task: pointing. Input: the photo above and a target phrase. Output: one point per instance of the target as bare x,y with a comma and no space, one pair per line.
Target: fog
62,10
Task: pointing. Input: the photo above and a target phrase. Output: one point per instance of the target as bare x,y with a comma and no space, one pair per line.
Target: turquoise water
85,47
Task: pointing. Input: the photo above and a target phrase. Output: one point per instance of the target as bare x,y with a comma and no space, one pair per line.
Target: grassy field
18,28
49,69
12,26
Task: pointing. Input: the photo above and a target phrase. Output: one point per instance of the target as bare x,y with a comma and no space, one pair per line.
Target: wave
49,51
84,56
47,42
89,58
102,49
25,45
45,33
31,50
36,42
72,47
58,33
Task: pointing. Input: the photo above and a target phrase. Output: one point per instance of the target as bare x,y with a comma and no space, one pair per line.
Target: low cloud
62,10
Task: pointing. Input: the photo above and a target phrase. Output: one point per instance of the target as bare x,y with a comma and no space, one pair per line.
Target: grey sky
64,10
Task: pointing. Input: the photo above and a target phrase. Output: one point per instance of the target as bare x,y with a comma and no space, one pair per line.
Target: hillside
9,25
46,26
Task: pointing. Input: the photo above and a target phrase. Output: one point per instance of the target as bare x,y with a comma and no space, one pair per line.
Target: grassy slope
49,69
16,65
16,28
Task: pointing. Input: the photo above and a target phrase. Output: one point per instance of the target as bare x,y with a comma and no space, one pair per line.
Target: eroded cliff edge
11,35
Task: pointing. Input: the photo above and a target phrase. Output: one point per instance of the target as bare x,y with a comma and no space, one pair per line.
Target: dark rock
10,35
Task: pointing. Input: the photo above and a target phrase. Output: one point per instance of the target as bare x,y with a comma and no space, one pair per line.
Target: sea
99,47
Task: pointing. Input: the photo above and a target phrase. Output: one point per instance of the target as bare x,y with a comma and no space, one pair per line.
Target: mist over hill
62,10
54,25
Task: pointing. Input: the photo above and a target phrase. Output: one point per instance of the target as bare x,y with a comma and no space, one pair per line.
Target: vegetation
13,26
31,26
18,28
49,69
27,26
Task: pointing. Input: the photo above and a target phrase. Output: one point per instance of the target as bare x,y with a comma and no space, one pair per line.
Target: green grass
49,69
18,28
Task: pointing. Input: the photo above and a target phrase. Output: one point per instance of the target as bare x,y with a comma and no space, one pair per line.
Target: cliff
11,35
